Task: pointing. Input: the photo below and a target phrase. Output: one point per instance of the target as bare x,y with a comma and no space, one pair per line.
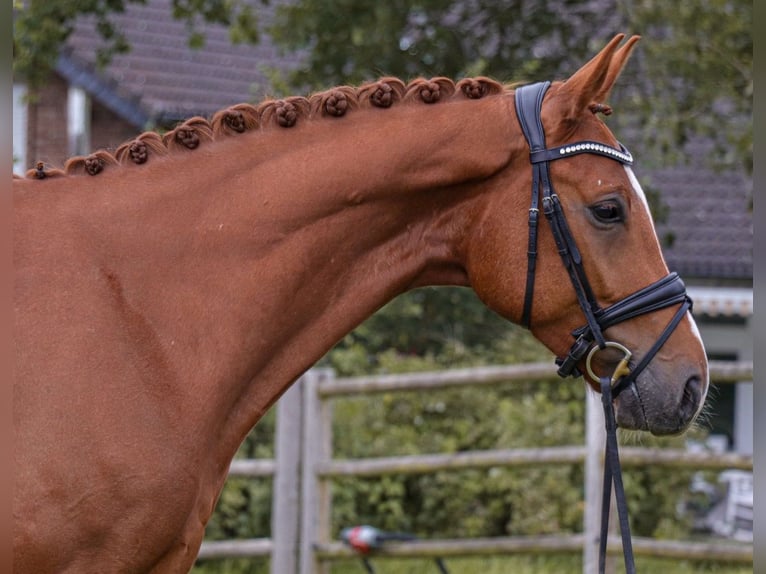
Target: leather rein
589,339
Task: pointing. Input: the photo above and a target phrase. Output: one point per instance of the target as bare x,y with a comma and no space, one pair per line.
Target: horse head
630,318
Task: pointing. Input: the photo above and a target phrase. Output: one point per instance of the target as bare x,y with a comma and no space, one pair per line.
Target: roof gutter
722,301
103,91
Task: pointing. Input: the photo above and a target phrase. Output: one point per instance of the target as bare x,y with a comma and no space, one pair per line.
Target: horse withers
167,294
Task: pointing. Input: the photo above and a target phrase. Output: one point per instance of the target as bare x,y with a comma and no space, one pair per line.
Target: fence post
316,496
285,506
595,436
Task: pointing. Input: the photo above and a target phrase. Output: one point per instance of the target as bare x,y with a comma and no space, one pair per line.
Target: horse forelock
287,112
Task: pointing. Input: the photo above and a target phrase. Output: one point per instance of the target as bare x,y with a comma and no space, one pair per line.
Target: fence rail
416,464
304,467
720,372
681,550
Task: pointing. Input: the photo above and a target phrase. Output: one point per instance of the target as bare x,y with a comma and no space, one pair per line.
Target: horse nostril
690,401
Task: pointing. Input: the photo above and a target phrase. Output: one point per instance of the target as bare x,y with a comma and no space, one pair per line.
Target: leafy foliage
431,328
352,40
41,28
694,75
426,330
464,503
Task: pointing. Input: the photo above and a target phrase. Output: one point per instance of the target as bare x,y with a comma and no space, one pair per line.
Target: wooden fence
303,469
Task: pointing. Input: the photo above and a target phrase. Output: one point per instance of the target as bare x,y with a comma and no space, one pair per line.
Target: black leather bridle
589,339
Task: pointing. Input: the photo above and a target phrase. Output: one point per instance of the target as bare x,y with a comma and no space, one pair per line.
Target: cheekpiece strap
529,101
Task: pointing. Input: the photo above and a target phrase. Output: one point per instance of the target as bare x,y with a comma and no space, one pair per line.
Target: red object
362,538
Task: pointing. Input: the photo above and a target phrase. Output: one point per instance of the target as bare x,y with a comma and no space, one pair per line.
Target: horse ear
593,82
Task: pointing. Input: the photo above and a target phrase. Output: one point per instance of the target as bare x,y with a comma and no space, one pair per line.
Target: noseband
589,339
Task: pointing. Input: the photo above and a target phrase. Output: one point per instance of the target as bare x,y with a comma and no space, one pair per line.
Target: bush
447,328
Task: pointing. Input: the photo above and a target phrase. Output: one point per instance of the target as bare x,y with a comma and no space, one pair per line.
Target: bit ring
622,367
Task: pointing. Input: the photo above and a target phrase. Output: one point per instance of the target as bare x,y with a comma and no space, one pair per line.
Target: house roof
162,80
708,232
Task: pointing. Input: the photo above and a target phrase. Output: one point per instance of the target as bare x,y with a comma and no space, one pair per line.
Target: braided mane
272,113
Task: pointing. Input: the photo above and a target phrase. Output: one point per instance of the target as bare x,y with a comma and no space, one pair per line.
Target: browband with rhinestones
622,155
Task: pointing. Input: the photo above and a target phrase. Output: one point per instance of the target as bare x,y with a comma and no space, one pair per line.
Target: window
78,121
19,129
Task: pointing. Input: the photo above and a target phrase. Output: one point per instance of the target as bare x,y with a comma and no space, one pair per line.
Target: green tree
355,40
440,326
693,76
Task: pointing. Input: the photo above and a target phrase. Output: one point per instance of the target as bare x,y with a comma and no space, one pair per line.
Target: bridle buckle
568,365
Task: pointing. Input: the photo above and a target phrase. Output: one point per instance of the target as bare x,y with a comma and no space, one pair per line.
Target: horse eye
607,212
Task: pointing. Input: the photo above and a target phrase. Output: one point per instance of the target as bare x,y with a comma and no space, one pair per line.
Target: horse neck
254,256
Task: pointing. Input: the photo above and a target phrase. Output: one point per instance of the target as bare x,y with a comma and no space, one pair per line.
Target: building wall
108,130
47,128
735,340
47,139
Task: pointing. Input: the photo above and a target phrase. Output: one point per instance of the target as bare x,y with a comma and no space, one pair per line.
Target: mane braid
189,135
334,102
235,120
381,94
138,150
92,164
40,171
277,113
475,88
429,91
283,113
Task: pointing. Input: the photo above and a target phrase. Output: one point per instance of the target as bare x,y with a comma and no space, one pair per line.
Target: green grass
548,564
529,565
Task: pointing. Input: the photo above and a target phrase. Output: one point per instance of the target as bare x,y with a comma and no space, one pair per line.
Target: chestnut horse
166,295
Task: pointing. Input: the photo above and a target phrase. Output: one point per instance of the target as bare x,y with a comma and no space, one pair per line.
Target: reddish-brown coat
162,306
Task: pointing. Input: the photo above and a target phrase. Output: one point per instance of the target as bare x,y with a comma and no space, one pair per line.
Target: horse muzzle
654,403
648,405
